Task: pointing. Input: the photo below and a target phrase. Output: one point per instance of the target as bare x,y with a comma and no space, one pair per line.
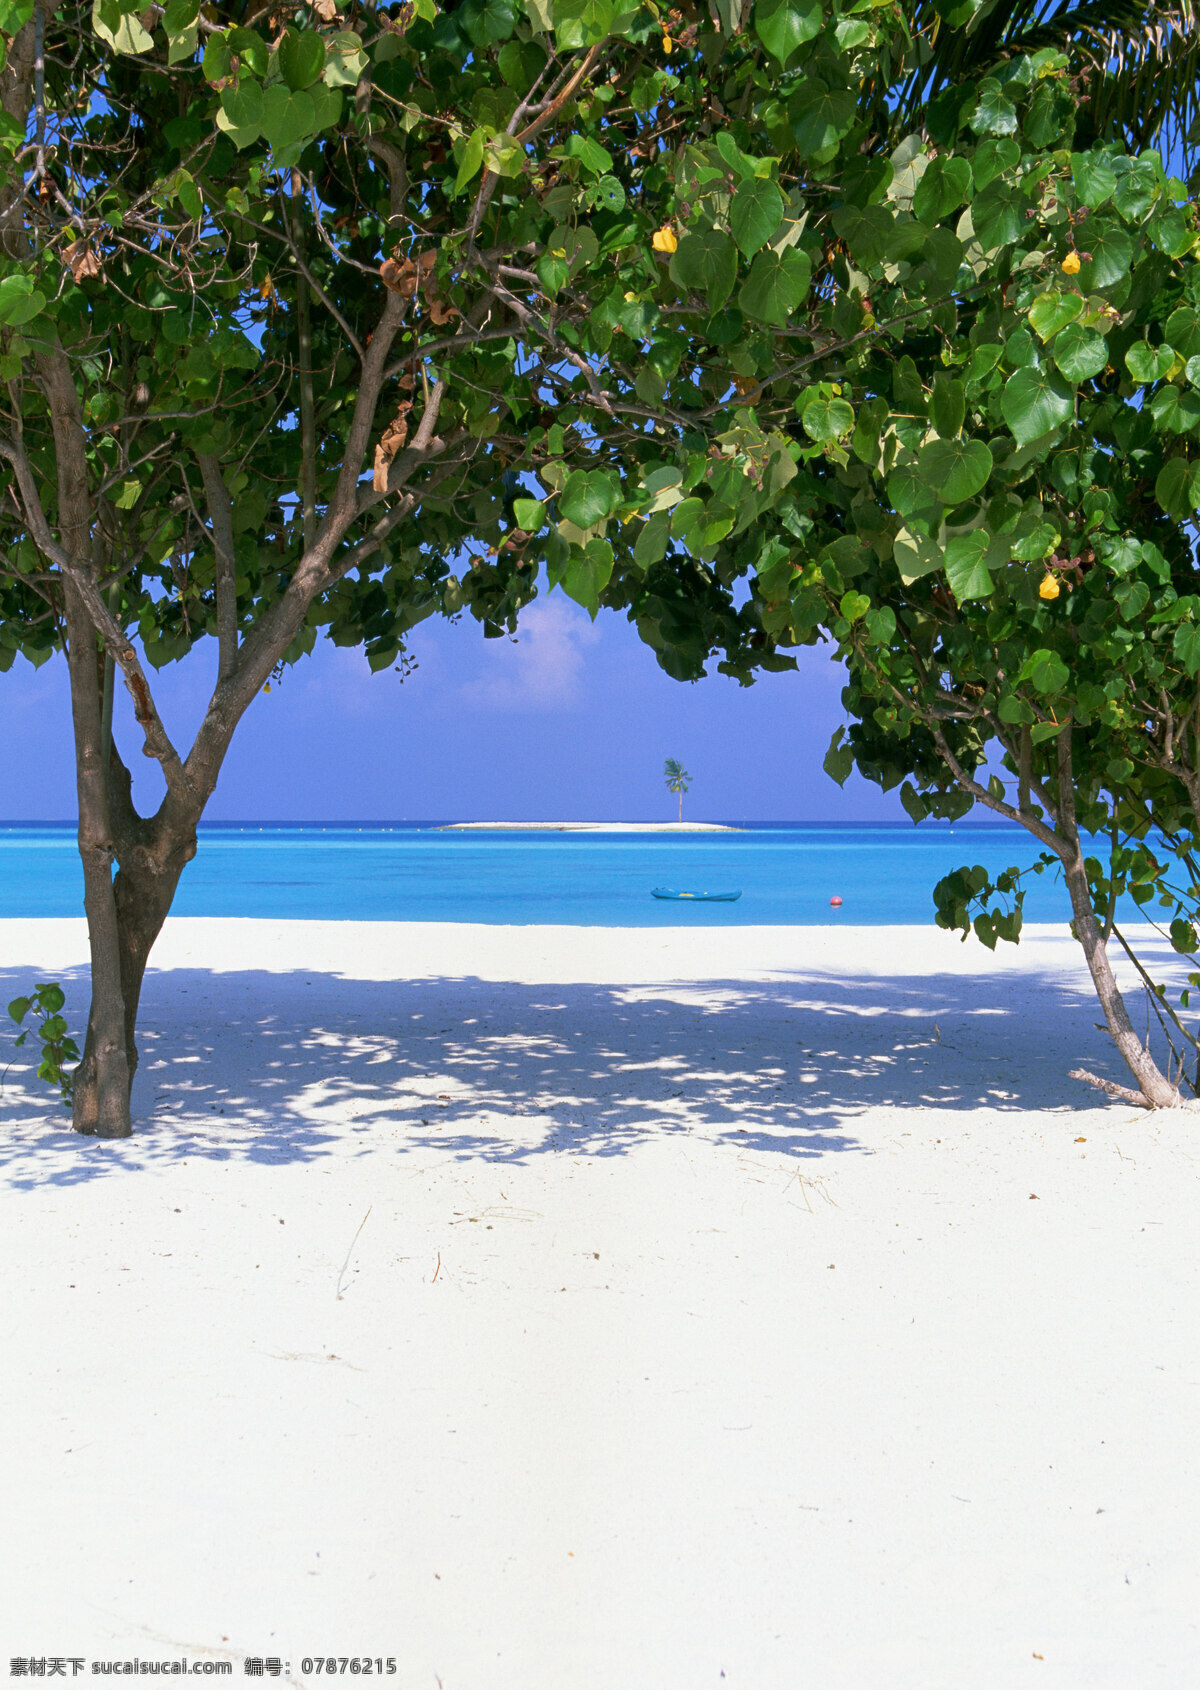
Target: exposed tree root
1110,1088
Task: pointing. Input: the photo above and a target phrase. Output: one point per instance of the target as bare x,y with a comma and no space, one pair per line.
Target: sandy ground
592,1309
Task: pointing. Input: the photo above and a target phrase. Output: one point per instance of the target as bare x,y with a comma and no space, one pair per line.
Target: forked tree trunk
141,898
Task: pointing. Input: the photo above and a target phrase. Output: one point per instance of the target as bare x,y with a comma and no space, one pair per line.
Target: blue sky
571,721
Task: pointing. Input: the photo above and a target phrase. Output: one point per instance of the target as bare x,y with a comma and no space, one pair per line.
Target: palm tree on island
677,780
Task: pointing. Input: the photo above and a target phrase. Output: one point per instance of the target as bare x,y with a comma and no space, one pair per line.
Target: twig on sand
437,1269
350,1252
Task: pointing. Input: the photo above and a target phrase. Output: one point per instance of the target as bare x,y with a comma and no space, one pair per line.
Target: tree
678,780
660,280
993,516
238,270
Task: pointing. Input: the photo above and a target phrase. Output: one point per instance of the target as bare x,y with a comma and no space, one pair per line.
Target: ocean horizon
787,874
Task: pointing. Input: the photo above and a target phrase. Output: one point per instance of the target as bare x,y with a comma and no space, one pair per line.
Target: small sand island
589,827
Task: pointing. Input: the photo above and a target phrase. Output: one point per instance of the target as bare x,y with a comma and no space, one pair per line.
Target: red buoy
836,903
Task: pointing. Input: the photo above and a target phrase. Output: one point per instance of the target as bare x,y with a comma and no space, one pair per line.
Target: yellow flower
664,239
668,44
1070,264
1049,588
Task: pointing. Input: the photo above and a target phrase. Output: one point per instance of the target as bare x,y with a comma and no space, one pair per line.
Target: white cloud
541,669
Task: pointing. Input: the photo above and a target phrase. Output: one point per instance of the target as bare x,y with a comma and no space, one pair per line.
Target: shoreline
586,827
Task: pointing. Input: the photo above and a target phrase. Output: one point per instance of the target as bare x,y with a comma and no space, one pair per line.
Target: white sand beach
604,1309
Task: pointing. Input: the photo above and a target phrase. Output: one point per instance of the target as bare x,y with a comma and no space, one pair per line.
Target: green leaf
1148,363
15,14
915,556
1171,233
955,469
181,22
489,21
707,262
20,301
250,49
1111,250
1080,353
124,31
947,404
1053,311
301,58
998,216
1186,646
1034,402
1094,178
345,60
588,496
19,1008
839,759
992,159
651,544
942,189
218,60
854,606
994,113
776,286
529,514
587,574
1173,488
755,213
581,23
287,117
966,571
827,419
819,117
1183,331
241,113
1136,191
470,160
1046,670
183,186
552,272
784,25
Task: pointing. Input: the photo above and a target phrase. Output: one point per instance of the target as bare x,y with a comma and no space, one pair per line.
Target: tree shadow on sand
270,1068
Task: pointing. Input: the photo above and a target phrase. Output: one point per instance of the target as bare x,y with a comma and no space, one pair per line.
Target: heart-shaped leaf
784,25
1053,311
755,213
827,419
955,469
301,58
942,189
707,262
776,285
966,571
819,117
1080,353
1148,363
1034,402
1111,252
588,496
287,117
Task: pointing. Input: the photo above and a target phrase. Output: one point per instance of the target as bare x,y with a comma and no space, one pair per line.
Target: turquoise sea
416,872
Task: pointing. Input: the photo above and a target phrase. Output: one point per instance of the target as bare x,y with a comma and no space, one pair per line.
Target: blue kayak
697,897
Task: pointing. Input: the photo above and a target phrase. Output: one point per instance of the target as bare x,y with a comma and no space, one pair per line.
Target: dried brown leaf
394,436
82,260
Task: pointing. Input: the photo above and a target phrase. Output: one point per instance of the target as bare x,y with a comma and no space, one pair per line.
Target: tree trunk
681,805
1152,1083
102,1079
